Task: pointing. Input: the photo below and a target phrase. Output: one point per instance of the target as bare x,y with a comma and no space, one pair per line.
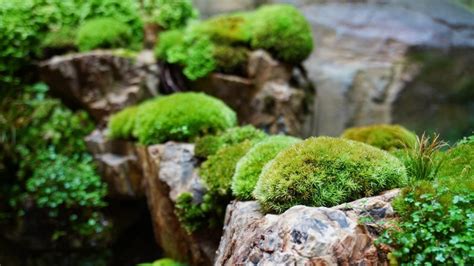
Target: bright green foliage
169,14
326,171
63,38
282,30
248,168
44,141
103,33
458,161
231,59
436,225
21,30
385,137
207,214
189,49
122,123
170,46
219,168
209,145
163,262
181,117
66,182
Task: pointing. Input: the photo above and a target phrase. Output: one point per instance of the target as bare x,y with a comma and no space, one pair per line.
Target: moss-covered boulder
180,117
326,171
248,168
209,145
383,136
219,168
283,31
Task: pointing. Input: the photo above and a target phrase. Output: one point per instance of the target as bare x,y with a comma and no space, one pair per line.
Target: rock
118,165
170,169
266,98
304,235
101,82
365,71
277,108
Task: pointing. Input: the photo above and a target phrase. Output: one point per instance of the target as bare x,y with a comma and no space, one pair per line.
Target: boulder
267,97
305,235
101,82
118,165
169,170
367,67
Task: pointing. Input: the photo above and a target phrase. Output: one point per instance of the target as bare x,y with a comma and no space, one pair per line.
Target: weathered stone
265,98
101,82
277,108
118,165
263,68
169,169
304,235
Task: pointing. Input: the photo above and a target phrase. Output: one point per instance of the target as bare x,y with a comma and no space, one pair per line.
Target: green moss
181,117
248,169
169,46
458,161
122,123
385,137
219,168
103,33
229,29
283,31
63,38
326,171
163,262
231,59
209,145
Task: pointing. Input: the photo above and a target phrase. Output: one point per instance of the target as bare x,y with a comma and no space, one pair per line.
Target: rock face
101,82
305,235
169,169
266,98
118,164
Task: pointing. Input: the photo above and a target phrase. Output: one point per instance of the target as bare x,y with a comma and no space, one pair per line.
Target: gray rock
101,82
168,171
304,235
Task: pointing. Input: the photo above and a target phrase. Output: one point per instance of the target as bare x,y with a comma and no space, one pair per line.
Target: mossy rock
326,171
209,145
229,29
103,33
385,137
179,117
218,169
122,123
248,168
231,60
283,31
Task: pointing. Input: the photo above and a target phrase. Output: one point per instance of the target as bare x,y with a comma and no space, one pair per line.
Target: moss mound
248,169
122,123
103,33
385,137
326,171
282,30
219,168
458,162
180,117
220,43
209,145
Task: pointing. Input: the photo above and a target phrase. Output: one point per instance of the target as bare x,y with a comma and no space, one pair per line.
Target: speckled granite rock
304,235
